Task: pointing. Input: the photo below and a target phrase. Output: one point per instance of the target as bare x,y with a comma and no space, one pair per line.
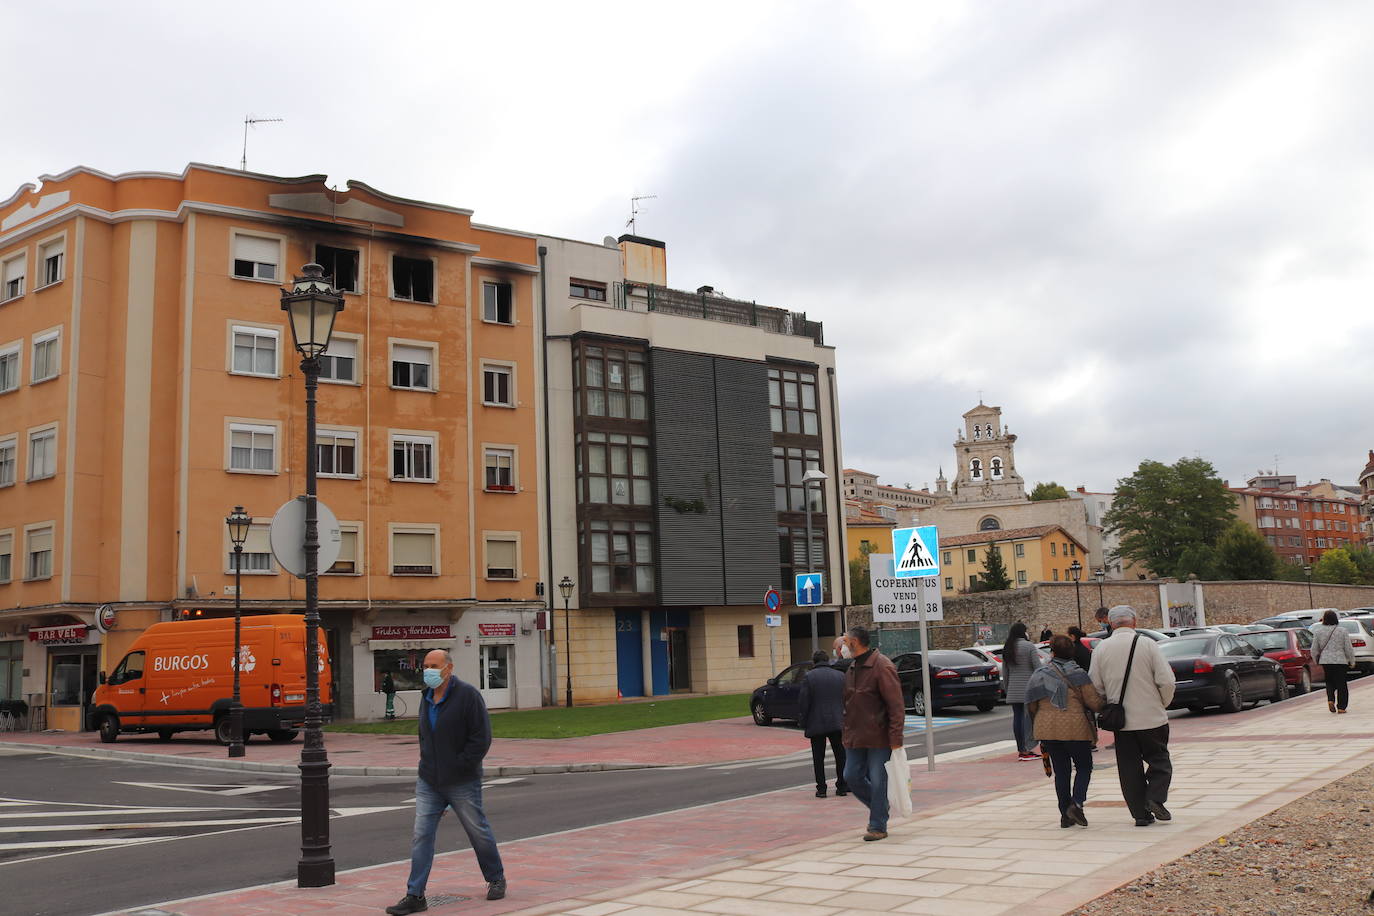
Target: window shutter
14,269
40,540
404,354
257,541
410,548
259,250
501,559
344,348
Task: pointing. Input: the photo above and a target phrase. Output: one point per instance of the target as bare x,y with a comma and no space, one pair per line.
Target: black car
777,699
956,679
1221,670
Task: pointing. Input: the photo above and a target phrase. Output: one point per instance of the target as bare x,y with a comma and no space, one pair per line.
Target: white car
993,655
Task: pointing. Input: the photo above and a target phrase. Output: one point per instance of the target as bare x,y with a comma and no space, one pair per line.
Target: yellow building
866,530
1041,554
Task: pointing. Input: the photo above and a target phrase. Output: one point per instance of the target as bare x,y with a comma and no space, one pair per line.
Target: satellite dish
610,242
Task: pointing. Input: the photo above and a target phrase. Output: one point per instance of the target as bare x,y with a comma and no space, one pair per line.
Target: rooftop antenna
634,210
247,120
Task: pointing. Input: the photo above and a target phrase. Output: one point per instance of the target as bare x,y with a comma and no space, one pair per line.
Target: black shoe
1065,821
496,890
1159,811
408,904
820,792
1075,814
841,791
1144,821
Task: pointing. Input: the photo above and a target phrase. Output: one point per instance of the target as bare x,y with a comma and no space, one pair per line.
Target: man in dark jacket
821,707
874,714
455,734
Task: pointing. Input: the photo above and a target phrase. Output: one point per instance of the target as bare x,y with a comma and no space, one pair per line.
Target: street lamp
239,522
1307,571
311,305
813,475
1076,568
565,588
1099,574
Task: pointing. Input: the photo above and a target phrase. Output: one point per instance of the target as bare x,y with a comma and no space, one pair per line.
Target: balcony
708,305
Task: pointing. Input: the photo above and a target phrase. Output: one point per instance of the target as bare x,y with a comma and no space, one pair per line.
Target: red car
1293,650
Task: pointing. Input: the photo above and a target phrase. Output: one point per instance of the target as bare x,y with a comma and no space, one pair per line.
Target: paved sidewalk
719,741
789,853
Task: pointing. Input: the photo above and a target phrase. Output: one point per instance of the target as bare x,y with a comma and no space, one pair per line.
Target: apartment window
412,279
789,466
255,257
1020,551
1020,577
47,357
9,368
744,639
42,454
412,458
257,553
792,402
412,367
499,464
949,583
414,553
496,303
9,458
252,448
255,351
336,453
347,562
614,382
622,557
945,558
12,276
501,557
1321,542
50,260
1273,541
496,386
340,362
341,264
6,557
1068,550
1056,574
792,550
587,289
973,580
972,555
616,469
1294,541
1053,548
38,553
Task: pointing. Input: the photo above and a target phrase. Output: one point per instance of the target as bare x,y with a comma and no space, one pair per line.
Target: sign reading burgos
496,629
72,633
419,631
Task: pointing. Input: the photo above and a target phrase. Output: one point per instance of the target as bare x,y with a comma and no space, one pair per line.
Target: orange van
179,676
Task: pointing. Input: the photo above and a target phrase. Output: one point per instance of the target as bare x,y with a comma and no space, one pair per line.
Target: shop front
70,657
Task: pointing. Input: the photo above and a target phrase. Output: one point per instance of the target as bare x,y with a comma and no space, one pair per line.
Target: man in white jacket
1142,747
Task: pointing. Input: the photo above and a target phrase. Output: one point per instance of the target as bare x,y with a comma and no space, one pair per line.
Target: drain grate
442,899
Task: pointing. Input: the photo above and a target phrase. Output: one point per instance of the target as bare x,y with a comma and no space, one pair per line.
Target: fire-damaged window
341,264
412,279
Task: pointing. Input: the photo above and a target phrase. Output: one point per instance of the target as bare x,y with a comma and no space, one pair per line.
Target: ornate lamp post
813,475
312,304
565,587
239,522
1099,574
1076,569
1307,571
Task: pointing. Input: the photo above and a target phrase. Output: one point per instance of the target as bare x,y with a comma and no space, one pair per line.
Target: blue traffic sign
810,586
915,552
772,600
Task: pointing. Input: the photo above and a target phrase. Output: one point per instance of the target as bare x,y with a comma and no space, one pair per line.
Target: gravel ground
1312,857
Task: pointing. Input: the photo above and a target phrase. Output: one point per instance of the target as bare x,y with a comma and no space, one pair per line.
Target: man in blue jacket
821,708
455,734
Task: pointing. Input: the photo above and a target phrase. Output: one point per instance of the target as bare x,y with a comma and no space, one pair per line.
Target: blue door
629,654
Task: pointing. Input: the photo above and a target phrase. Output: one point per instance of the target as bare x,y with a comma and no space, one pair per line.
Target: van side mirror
102,677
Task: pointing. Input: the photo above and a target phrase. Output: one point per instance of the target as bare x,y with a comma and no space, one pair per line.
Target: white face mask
844,651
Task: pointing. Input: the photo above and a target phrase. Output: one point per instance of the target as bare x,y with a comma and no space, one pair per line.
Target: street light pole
813,475
1099,574
565,586
239,523
1076,568
312,305
1307,571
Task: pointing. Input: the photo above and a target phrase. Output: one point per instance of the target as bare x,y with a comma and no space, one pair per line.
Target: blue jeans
1021,727
1066,755
465,799
865,771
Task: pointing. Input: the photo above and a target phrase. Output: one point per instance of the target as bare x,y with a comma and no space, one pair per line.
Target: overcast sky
1142,228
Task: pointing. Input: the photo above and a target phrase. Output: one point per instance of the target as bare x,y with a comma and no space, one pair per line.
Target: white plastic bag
898,784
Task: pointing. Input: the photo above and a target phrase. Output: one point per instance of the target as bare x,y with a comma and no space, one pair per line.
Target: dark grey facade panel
749,517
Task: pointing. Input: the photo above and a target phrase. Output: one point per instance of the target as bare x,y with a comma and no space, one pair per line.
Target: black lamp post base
315,873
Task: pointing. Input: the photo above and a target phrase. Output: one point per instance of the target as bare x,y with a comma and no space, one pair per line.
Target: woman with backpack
1019,659
1332,650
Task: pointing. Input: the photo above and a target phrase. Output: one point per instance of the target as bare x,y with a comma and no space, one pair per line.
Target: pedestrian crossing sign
916,552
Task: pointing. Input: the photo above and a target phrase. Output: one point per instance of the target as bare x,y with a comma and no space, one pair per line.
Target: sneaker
820,793
496,890
875,835
408,904
1075,813
1027,755
1160,812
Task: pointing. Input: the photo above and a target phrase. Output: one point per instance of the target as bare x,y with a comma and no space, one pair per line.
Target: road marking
205,787
91,845
156,825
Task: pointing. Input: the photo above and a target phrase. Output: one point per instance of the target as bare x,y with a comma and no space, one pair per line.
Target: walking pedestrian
455,734
1100,615
821,716
1061,699
1132,672
1082,655
1019,659
1332,649
1046,633
874,714
839,662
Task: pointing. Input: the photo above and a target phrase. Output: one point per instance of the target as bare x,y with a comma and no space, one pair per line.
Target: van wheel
164,734
281,735
109,729
224,730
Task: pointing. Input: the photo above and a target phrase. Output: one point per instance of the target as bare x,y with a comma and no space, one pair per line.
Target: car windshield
1267,642
953,658
1183,646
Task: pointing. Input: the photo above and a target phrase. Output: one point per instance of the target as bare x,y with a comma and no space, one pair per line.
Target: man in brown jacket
873,718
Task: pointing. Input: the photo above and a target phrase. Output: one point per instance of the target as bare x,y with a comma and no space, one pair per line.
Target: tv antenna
634,210
248,120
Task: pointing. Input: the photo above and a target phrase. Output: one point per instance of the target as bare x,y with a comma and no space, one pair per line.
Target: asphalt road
90,835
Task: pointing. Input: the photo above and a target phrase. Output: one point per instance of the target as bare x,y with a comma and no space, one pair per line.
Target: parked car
1258,628
1221,670
1198,631
993,655
1292,649
1361,632
1170,632
778,697
1156,635
957,678
1301,618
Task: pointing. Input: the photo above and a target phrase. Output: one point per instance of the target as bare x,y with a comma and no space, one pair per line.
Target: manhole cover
441,899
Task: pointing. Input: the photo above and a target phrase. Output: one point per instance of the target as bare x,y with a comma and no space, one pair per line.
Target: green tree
994,577
1201,561
1161,511
1335,567
1049,490
1289,572
1363,558
860,589
1243,553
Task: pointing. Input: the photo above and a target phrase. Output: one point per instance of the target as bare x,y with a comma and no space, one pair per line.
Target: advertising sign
496,629
422,631
72,633
897,599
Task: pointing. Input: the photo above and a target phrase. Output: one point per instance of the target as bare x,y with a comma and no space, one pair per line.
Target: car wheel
760,717
1304,684
164,734
1231,700
109,729
281,735
986,706
224,729
1280,688
918,704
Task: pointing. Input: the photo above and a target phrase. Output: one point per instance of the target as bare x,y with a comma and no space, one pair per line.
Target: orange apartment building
1300,522
148,384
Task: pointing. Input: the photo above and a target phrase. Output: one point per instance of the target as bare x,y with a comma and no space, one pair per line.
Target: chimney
645,260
